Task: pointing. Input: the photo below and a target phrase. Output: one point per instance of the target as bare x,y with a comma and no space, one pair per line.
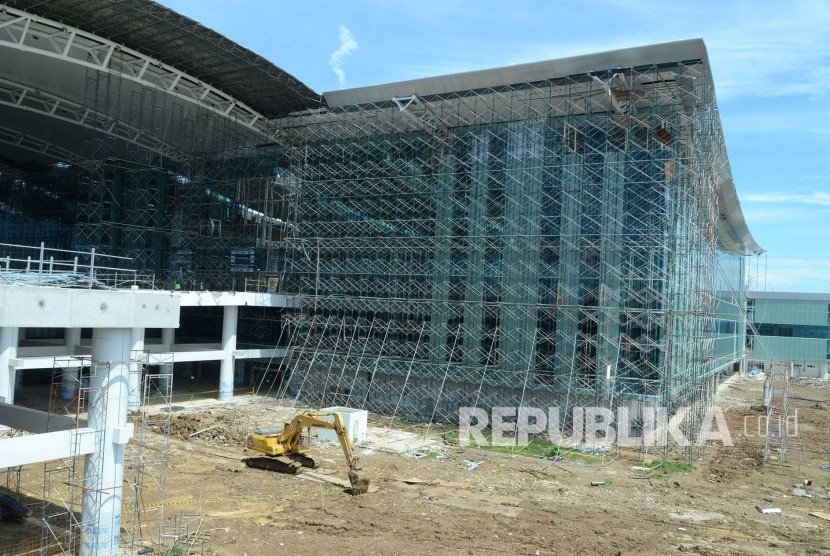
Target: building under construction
563,233
550,234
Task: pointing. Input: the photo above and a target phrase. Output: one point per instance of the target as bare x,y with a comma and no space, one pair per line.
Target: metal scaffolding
192,196
147,454
547,243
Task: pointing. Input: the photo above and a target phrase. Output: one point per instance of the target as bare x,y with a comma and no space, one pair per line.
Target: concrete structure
792,327
112,315
41,354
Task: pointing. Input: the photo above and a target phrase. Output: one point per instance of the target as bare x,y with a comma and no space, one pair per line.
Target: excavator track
279,464
304,460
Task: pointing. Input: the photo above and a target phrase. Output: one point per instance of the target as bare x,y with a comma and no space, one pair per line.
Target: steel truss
23,31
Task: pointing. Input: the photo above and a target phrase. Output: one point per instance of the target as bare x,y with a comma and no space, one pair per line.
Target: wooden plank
320,478
821,515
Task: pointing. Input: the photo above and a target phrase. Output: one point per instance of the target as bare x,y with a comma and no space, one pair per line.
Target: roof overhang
144,82
182,43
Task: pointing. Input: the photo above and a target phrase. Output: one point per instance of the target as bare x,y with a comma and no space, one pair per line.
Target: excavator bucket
359,486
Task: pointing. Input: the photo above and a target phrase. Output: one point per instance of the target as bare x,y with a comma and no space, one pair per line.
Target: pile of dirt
216,430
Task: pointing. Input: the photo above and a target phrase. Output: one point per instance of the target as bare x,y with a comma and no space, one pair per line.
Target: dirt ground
429,501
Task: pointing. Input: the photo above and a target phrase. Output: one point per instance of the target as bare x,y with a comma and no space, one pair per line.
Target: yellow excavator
285,450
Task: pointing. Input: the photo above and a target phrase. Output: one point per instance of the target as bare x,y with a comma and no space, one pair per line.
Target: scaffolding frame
66,481
548,243
147,454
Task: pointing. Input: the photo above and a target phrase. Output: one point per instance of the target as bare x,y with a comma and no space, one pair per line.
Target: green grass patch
175,550
536,448
666,467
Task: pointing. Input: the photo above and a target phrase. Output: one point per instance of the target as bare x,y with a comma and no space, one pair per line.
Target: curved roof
176,40
734,235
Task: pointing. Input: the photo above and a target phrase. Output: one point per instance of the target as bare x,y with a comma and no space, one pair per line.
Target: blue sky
771,61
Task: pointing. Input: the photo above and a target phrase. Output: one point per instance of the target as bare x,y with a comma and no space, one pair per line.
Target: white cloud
816,198
802,275
347,45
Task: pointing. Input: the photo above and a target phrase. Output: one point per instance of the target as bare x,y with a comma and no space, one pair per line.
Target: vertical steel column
226,370
104,468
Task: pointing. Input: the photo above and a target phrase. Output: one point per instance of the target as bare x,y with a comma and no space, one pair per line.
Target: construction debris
768,510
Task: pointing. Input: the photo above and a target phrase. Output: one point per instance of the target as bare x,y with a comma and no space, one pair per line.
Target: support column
168,338
136,369
239,373
228,347
15,379
165,383
104,468
70,378
8,351
72,339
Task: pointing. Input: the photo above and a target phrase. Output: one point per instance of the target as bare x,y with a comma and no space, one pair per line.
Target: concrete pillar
8,351
239,373
72,339
136,369
165,383
70,377
104,468
228,347
168,338
16,379
70,382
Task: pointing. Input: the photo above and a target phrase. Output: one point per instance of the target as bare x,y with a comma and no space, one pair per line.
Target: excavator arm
317,420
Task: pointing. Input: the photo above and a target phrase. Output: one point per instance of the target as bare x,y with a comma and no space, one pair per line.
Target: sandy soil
429,502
